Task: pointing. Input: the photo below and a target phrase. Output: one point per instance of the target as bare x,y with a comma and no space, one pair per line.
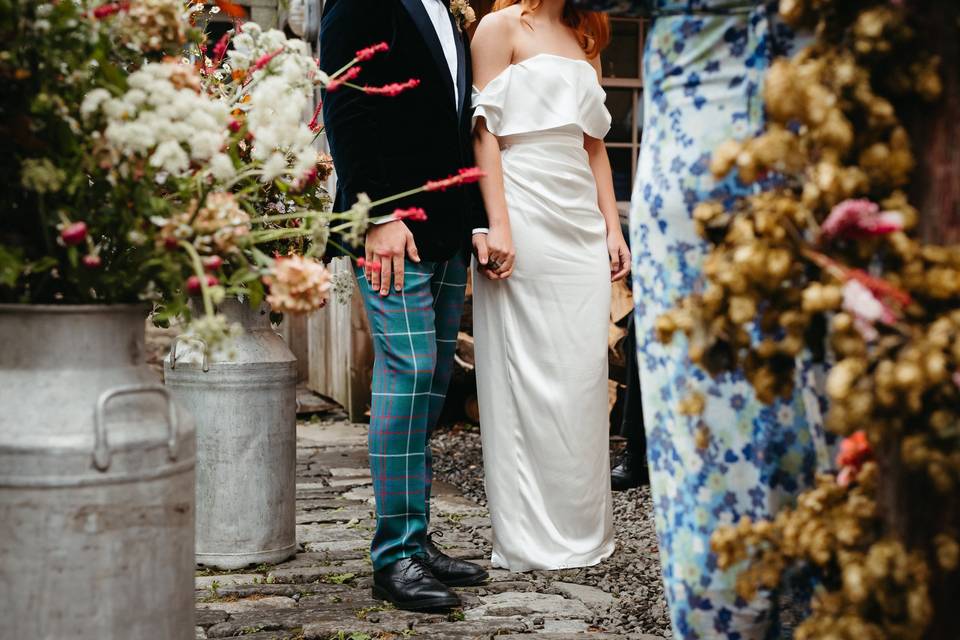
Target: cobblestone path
324,592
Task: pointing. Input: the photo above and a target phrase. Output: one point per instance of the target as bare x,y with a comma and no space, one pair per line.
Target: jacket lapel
422,20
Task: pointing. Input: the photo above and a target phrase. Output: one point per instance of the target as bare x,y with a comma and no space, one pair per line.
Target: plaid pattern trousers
414,338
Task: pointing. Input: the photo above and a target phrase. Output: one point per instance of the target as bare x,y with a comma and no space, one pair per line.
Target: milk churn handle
101,449
173,351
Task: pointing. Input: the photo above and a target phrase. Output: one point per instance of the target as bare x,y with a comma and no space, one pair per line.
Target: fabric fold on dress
541,335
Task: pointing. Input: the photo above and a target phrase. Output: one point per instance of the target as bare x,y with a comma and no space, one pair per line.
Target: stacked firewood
462,396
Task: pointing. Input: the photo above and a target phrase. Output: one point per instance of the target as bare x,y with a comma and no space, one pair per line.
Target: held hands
495,253
619,254
387,245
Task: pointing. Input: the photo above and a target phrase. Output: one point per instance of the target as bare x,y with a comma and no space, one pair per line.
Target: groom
414,277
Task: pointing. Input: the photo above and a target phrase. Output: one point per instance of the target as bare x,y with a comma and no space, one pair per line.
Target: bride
541,312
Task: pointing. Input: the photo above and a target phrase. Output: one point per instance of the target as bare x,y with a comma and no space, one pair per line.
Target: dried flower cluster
824,259
298,285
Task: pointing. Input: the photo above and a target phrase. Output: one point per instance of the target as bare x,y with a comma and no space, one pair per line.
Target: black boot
628,473
408,584
450,571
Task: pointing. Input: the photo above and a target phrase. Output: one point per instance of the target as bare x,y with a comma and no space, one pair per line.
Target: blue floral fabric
703,71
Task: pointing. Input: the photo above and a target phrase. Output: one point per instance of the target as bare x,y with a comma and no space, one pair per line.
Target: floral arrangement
826,257
150,166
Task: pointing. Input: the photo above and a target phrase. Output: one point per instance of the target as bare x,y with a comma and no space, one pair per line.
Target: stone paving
324,592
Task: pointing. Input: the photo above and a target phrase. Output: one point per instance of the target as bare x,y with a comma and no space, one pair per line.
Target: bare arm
492,52
607,201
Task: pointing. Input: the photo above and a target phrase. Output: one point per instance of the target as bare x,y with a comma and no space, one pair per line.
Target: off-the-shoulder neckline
533,57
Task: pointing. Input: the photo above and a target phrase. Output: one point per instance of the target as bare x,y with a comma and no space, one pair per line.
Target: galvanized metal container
96,481
244,402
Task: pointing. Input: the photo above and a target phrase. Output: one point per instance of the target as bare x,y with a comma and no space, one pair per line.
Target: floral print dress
703,72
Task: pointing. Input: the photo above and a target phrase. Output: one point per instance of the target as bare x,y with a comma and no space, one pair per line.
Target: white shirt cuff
481,230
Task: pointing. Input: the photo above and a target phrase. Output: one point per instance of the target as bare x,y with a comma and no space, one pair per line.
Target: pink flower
109,9
860,219
866,308
212,263
345,77
464,176
92,261
368,52
393,89
74,233
194,287
414,214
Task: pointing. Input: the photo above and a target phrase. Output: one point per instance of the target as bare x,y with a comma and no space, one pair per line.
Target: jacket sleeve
349,115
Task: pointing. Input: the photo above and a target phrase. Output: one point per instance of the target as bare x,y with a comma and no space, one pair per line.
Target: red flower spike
464,176
74,233
368,52
220,49
91,261
265,59
194,287
316,116
414,214
393,89
343,78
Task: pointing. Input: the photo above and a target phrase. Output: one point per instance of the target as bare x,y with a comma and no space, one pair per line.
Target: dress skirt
541,353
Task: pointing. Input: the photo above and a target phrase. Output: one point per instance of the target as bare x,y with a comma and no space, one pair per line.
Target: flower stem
201,275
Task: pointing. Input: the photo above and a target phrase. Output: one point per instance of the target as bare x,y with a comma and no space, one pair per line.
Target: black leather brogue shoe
409,584
451,571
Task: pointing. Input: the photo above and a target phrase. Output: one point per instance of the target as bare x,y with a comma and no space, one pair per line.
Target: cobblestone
323,593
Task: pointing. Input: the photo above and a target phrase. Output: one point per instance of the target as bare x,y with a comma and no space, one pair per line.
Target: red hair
592,28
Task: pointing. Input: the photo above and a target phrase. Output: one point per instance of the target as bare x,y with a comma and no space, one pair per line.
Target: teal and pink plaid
414,338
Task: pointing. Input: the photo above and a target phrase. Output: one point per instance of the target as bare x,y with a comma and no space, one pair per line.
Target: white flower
93,100
162,118
221,167
171,157
274,167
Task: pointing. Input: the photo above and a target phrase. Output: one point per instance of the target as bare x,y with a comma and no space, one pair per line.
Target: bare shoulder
498,25
595,63
492,46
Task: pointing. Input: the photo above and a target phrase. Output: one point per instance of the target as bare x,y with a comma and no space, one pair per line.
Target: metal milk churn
243,398
96,480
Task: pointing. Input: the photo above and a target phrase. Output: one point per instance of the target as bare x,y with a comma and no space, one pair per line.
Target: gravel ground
632,573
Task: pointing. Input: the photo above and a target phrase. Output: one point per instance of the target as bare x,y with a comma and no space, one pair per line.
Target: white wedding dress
541,335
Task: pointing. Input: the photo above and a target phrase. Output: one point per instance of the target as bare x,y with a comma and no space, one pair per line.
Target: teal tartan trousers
414,339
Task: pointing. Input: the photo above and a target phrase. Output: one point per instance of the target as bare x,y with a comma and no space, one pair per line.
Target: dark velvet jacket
386,145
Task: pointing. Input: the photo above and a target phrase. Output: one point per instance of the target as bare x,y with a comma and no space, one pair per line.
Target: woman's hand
619,254
495,252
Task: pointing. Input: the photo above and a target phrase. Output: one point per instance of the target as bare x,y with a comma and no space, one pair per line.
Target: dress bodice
543,93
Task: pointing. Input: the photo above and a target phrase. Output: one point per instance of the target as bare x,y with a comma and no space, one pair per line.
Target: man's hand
387,245
495,252
619,255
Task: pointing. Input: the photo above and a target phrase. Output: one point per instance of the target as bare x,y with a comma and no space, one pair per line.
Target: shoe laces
418,568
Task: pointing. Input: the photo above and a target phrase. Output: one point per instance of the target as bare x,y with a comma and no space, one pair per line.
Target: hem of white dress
576,562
